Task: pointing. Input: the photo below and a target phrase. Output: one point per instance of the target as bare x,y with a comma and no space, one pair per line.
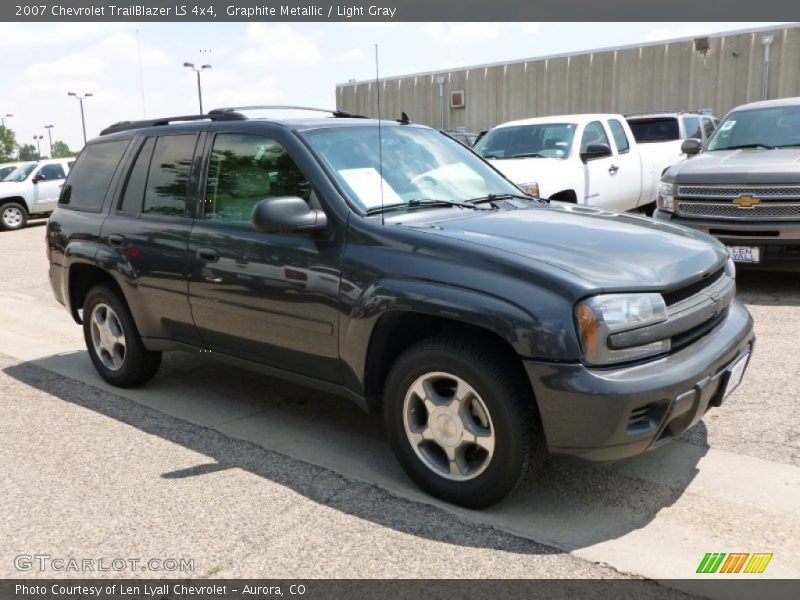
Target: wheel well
565,196
82,278
397,331
17,199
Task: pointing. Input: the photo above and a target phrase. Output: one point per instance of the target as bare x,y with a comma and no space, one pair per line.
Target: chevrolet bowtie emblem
746,201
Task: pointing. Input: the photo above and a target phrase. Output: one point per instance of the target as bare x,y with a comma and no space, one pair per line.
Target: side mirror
287,215
594,151
37,178
691,147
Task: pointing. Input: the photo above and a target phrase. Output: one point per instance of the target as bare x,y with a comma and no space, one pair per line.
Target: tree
8,144
27,152
61,150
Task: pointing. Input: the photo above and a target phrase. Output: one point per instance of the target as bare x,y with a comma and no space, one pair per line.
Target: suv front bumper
778,241
614,413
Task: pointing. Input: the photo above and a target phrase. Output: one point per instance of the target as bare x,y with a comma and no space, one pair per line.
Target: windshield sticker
727,125
366,183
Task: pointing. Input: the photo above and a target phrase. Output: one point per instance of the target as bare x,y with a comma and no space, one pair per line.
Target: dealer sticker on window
746,254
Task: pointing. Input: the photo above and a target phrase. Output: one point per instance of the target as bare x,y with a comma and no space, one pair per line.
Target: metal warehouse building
715,72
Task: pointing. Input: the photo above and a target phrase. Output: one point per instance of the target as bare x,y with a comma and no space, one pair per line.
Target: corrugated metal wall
665,76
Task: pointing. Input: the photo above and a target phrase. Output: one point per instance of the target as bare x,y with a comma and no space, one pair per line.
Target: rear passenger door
267,298
147,234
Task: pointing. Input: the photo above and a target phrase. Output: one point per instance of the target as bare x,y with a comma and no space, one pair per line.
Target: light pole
50,138
83,119
38,138
3,119
199,89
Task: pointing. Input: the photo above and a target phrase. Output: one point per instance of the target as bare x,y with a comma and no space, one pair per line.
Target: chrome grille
774,211
787,192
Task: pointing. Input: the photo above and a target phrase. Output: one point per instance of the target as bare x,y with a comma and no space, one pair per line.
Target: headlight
666,196
600,317
531,187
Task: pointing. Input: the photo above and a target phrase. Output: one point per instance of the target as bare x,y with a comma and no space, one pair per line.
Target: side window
51,172
708,126
594,134
620,138
168,177
133,196
245,169
692,125
88,181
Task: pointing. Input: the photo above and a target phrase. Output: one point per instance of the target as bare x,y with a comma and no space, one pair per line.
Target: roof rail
127,125
340,114
677,112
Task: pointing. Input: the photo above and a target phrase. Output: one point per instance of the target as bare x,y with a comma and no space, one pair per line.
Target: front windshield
546,140
777,127
418,164
20,173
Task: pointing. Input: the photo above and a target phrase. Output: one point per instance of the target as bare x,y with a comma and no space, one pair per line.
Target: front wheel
460,422
113,341
13,216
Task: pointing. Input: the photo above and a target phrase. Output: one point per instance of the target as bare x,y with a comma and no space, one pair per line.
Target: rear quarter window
655,129
87,184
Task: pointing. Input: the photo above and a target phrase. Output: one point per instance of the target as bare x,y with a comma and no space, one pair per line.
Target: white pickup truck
586,159
32,189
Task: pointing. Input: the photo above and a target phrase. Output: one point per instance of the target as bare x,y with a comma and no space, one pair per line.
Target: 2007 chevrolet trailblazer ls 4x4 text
489,327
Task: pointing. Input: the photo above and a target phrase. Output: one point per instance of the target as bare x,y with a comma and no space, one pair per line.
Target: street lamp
50,138
38,138
3,119
199,90
83,119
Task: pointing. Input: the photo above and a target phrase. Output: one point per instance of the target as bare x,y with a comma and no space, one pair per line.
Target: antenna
380,139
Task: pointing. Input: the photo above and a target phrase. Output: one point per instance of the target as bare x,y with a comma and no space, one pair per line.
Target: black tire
138,364
13,216
518,439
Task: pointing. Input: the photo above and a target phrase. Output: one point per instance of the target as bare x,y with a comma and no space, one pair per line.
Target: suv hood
606,249
746,166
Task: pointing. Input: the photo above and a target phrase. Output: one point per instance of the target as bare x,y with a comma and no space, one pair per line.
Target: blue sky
257,63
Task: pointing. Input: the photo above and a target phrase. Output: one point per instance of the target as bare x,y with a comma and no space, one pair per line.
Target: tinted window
168,178
134,188
594,134
88,181
662,129
247,168
620,137
692,126
50,172
708,126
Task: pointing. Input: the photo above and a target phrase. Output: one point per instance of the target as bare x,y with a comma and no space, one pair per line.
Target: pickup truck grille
767,211
729,192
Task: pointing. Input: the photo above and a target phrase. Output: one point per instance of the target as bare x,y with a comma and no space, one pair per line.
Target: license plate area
735,374
745,254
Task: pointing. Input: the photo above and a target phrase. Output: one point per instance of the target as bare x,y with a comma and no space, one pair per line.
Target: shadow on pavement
768,288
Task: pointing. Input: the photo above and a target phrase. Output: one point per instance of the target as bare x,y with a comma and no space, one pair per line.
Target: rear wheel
113,342
460,422
13,216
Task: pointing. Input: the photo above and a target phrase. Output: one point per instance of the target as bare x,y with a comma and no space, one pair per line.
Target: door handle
208,254
116,240
613,169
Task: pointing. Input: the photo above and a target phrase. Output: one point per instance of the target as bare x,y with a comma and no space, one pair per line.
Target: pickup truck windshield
765,128
545,140
655,129
418,165
20,173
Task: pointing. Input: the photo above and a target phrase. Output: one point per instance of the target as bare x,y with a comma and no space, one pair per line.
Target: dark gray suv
392,265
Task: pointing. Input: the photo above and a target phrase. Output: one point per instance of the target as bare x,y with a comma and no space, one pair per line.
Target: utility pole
50,138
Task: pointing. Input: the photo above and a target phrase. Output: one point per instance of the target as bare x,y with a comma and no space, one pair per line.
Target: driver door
254,295
47,183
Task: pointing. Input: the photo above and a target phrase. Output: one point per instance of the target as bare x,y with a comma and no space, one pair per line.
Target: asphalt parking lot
250,477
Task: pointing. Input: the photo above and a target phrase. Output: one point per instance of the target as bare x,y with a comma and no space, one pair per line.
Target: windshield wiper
418,203
744,146
492,197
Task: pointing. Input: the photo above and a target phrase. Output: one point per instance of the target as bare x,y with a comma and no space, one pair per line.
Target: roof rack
127,125
339,114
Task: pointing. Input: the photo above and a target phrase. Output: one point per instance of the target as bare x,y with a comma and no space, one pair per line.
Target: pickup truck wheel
113,341
13,216
460,423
